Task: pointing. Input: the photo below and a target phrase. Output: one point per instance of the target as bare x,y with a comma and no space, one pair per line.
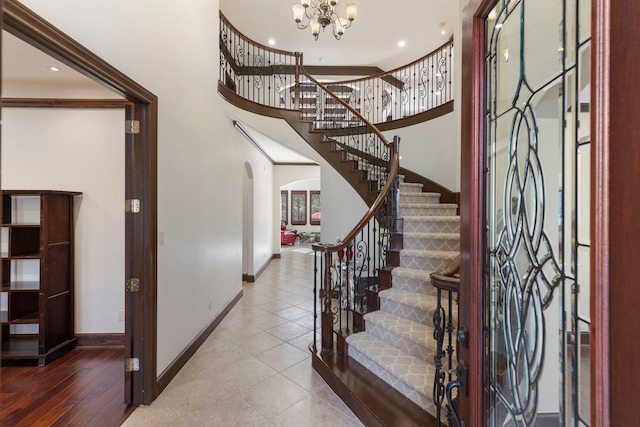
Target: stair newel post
327,313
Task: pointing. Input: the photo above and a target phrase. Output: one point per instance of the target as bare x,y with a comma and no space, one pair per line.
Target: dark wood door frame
615,204
472,205
140,183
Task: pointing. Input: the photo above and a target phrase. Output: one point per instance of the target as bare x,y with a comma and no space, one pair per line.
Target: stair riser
420,262
409,188
408,312
418,198
423,401
432,244
411,210
414,349
412,225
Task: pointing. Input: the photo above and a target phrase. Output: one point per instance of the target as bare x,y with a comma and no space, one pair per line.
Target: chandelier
321,13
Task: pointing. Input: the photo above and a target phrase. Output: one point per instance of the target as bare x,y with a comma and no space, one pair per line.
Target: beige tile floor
255,368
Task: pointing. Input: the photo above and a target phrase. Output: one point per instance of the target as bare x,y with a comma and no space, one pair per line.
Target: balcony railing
272,77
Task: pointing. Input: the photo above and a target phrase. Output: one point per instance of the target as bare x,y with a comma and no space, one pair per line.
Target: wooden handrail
377,204
348,107
253,42
449,278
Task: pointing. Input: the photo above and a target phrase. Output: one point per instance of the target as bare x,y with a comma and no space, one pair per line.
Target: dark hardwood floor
83,388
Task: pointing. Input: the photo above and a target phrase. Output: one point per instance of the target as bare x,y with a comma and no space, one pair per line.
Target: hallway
255,368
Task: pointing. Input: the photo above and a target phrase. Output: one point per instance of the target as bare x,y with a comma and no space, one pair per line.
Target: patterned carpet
398,343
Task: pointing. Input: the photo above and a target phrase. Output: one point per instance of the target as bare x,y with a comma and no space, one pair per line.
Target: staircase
397,343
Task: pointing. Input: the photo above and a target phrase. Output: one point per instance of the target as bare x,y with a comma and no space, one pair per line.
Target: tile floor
255,368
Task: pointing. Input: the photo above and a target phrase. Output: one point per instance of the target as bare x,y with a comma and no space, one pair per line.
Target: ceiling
372,39
24,63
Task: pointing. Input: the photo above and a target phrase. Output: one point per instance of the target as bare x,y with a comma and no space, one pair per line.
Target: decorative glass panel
314,208
298,207
537,178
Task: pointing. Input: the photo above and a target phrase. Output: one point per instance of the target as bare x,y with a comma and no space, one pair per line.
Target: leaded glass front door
537,174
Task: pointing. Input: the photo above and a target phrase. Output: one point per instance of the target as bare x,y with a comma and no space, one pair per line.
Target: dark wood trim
253,107
433,113
172,370
373,401
472,205
615,204
310,163
600,216
254,277
100,340
343,70
64,103
31,28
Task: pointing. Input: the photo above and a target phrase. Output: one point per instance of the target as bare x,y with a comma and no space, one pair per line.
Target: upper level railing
406,91
271,77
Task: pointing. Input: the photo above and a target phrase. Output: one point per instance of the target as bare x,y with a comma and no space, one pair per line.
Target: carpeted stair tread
412,273
430,205
410,187
416,332
426,259
418,300
415,373
443,236
450,255
434,218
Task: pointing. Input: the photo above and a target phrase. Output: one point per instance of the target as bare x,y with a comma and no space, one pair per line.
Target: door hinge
132,364
132,127
132,285
132,206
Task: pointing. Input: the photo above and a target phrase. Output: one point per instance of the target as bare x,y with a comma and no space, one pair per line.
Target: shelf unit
36,295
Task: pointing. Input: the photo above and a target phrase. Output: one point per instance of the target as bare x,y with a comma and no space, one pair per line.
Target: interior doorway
140,185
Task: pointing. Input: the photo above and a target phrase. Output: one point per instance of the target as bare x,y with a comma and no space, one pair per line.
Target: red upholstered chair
287,236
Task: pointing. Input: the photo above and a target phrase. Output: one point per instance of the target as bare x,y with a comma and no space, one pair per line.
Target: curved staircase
374,299
397,342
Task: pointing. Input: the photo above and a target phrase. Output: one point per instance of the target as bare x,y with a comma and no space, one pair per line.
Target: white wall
60,89
171,50
262,212
431,149
77,150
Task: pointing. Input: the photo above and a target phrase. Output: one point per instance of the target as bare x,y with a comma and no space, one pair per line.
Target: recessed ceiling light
52,68
271,42
402,43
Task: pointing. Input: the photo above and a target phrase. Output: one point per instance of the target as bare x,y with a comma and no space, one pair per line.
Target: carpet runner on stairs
397,344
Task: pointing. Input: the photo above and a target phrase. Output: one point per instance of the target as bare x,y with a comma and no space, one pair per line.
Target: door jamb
472,205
